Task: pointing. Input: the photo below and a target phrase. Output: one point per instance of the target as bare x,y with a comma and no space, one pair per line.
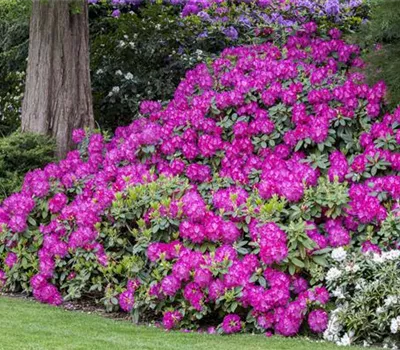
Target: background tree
58,95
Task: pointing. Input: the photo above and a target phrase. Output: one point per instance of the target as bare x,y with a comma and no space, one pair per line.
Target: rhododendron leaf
254,278
299,145
233,306
309,244
32,221
320,260
24,263
245,188
322,251
297,262
241,243
302,252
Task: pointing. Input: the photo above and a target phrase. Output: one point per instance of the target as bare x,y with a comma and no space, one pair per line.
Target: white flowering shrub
367,292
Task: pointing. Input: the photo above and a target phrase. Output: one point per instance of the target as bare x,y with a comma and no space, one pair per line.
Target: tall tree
58,94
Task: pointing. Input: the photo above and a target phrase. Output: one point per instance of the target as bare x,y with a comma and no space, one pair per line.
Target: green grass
29,325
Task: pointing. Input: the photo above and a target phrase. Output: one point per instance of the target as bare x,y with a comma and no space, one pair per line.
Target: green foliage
20,153
141,56
368,299
14,35
138,217
385,65
388,233
328,198
383,32
384,25
300,245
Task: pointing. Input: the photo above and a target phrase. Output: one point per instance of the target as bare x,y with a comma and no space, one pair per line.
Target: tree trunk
58,96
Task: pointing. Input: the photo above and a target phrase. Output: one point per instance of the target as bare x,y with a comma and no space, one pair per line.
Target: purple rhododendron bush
220,208
287,13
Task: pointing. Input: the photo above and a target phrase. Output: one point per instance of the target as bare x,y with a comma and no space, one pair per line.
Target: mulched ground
84,306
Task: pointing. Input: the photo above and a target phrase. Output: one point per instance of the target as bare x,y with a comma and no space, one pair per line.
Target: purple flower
57,203
116,13
126,300
318,320
11,259
231,324
171,319
170,285
3,279
231,33
78,135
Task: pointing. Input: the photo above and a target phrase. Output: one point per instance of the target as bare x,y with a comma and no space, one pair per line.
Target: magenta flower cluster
231,324
171,319
126,298
202,279
242,125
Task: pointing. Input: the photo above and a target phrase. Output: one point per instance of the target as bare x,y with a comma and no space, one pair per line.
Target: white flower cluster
345,340
339,254
391,300
129,76
124,43
353,268
391,346
395,325
333,274
355,279
332,332
334,327
380,310
386,256
361,284
338,293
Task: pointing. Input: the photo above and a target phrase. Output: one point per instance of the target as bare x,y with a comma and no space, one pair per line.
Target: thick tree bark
58,94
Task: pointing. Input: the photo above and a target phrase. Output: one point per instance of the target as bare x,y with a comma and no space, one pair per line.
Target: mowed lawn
29,325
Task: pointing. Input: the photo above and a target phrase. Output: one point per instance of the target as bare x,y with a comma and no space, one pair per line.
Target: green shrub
368,303
382,32
143,56
14,37
20,153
